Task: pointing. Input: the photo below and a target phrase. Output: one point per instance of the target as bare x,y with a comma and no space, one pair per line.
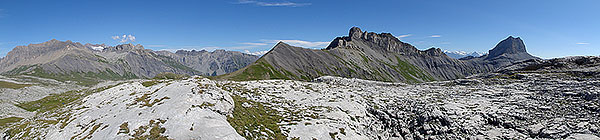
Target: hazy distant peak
462,54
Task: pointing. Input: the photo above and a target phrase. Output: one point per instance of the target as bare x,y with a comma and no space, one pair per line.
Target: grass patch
255,122
364,58
260,70
53,101
4,84
124,128
5,121
411,73
144,100
150,83
152,131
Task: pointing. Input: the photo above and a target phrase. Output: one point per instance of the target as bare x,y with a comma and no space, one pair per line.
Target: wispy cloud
273,4
435,36
124,38
403,36
2,13
582,43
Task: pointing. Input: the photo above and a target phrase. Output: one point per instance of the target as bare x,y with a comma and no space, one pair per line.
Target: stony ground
501,106
27,88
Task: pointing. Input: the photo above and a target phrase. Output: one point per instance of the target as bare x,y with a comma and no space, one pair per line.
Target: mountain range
461,54
376,56
86,63
361,54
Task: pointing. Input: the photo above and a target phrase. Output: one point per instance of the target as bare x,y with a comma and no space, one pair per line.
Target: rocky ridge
373,56
74,61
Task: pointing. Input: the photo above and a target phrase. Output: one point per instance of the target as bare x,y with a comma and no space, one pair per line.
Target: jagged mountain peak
434,52
127,47
381,41
190,52
355,32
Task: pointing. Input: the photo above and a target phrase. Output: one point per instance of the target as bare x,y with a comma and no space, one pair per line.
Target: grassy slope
87,78
4,84
54,101
259,70
262,69
6,121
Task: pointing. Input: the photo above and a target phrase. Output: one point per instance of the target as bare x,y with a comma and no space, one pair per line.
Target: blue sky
549,28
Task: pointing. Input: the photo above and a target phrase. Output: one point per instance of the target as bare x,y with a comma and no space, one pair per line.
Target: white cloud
256,53
98,48
435,36
403,36
273,4
582,43
124,38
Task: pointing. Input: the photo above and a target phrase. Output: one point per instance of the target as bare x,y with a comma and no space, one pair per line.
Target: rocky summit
537,99
89,63
376,56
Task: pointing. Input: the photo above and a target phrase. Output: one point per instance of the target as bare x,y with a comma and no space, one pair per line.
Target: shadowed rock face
508,51
124,61
374,56
510,45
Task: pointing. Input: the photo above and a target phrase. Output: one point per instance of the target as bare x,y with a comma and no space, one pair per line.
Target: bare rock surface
532,105
39,88
188,109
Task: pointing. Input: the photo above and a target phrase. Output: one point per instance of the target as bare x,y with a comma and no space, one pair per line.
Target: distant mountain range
87,63
364,55
461,54
373,56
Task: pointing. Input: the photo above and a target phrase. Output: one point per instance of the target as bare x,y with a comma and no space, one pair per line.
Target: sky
549,28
